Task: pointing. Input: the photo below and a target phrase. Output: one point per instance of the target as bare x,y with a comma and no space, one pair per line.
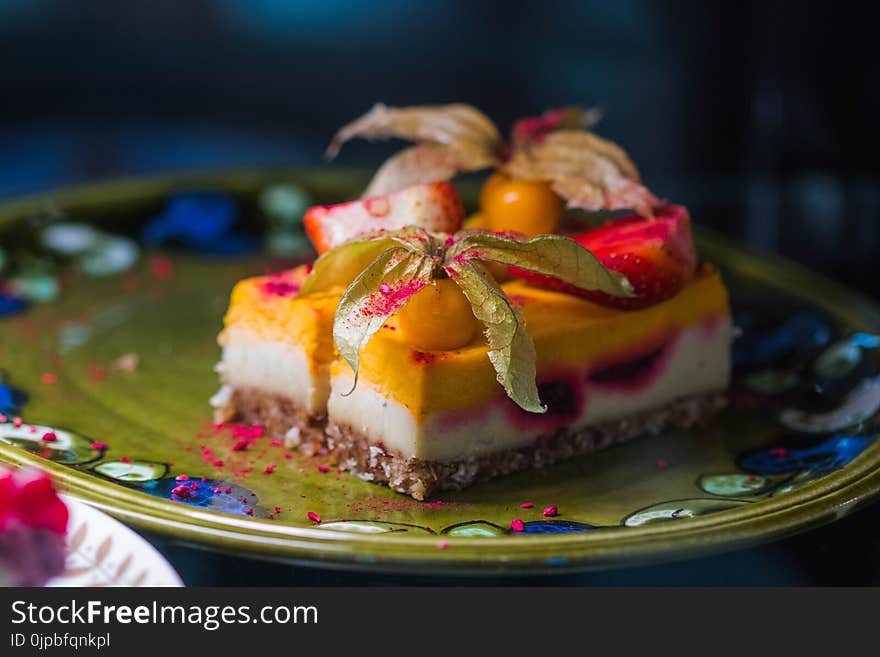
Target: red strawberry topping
433,206
656,255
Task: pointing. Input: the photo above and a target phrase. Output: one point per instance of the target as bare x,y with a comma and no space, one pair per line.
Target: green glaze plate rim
821,502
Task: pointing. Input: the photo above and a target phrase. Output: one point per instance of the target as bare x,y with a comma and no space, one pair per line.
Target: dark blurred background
758,115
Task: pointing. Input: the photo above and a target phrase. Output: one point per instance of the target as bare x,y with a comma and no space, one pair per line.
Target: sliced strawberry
433,206
656,255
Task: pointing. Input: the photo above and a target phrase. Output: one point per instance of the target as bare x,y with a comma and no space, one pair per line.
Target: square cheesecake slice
421,422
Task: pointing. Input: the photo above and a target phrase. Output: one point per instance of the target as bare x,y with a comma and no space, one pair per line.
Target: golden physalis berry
487,191
437,317
529,207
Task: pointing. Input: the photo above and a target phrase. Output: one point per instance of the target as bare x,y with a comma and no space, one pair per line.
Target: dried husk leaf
589,172
512,352
340,266
573,153
551,255
374,295
426,163
419,240
439,124
579,193
618,193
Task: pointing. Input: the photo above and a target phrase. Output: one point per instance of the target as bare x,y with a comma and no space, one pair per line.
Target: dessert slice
33,524
413,397
417,369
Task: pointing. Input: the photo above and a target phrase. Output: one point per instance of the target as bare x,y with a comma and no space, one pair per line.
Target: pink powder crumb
442,545
277,509
125,459
551,511
49,437
526,505
324,468
97,445
389,299
422,357
182,477
517,525
276,443
16,422
181,491
245,431
48,378
281,284
314,517
269,469
161,267
280,288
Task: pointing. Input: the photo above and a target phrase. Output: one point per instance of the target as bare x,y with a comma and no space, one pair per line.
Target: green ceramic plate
794,450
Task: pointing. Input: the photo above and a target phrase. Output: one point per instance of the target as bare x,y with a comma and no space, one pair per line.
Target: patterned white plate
104,552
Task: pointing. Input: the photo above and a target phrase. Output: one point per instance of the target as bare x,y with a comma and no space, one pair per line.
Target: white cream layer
699,362
250,361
